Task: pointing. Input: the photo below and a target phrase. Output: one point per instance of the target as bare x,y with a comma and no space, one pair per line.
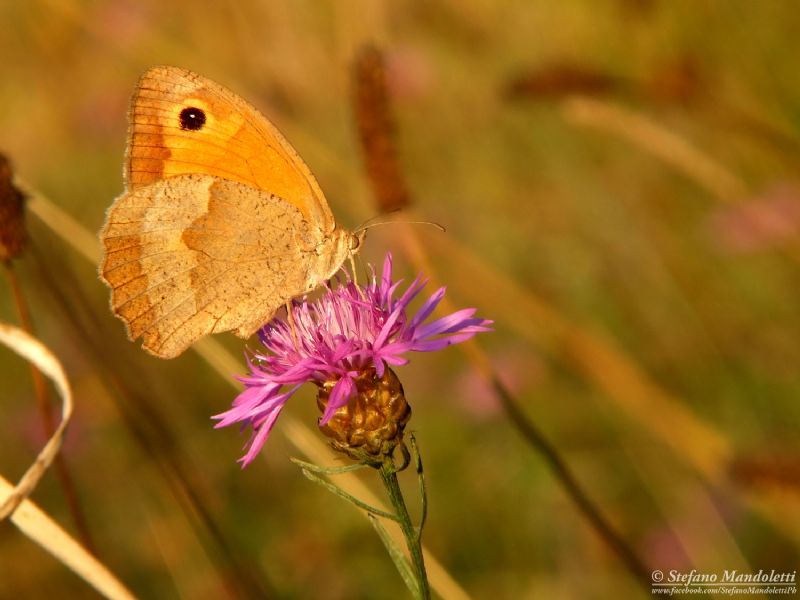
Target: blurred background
619,185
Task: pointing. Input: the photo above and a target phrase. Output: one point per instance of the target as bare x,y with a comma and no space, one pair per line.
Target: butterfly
221,222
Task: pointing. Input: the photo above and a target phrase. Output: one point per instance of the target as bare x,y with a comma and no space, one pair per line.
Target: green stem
412,534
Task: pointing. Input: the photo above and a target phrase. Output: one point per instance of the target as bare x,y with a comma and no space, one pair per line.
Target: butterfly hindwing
193,255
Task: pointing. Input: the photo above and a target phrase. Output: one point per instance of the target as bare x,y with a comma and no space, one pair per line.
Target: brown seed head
370,426
12,215
376,128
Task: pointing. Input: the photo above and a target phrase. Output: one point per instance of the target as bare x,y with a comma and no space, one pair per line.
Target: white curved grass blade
34,523
14,503
34,351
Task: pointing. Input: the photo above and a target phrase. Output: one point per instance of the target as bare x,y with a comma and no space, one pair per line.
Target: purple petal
427,308
380,367
258,412
386,275
387,297
339,396
395,360
260,437
445,323
411,293
441,343
253,410
387,327
474,325
243,403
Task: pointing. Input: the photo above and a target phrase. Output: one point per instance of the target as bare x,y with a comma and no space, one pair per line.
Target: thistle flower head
349,331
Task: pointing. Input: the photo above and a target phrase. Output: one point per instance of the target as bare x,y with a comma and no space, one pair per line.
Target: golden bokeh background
619,185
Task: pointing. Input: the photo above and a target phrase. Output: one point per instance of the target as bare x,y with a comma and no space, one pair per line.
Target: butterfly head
356,240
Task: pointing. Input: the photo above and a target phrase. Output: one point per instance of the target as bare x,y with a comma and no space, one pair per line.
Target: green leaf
350,498
399,559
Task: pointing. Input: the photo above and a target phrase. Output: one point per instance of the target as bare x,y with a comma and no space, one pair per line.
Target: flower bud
370,426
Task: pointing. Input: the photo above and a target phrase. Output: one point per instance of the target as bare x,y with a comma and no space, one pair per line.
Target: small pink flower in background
29,433
123,23
660,546
766,221
348,331
410,73
517,367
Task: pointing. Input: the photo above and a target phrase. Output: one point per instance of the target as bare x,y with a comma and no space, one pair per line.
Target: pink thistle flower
346,332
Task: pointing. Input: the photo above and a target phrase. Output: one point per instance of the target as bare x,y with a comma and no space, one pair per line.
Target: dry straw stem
13,241
222,361
704,534
699,444
174,473
34,523
23,513
418,255
45,412
702,446
645,133
696,442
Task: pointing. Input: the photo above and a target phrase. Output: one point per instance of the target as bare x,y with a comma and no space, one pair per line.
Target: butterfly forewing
181,122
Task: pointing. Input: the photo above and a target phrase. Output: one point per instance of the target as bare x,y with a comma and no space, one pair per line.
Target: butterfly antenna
369,224
366,224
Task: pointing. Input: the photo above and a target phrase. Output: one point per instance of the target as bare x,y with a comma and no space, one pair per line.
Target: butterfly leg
355,275
292,327
353,269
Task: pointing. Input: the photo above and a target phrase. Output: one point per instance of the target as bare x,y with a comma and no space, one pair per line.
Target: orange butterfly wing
221,221
182,122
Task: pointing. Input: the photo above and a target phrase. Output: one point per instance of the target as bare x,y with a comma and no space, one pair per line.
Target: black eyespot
192,118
